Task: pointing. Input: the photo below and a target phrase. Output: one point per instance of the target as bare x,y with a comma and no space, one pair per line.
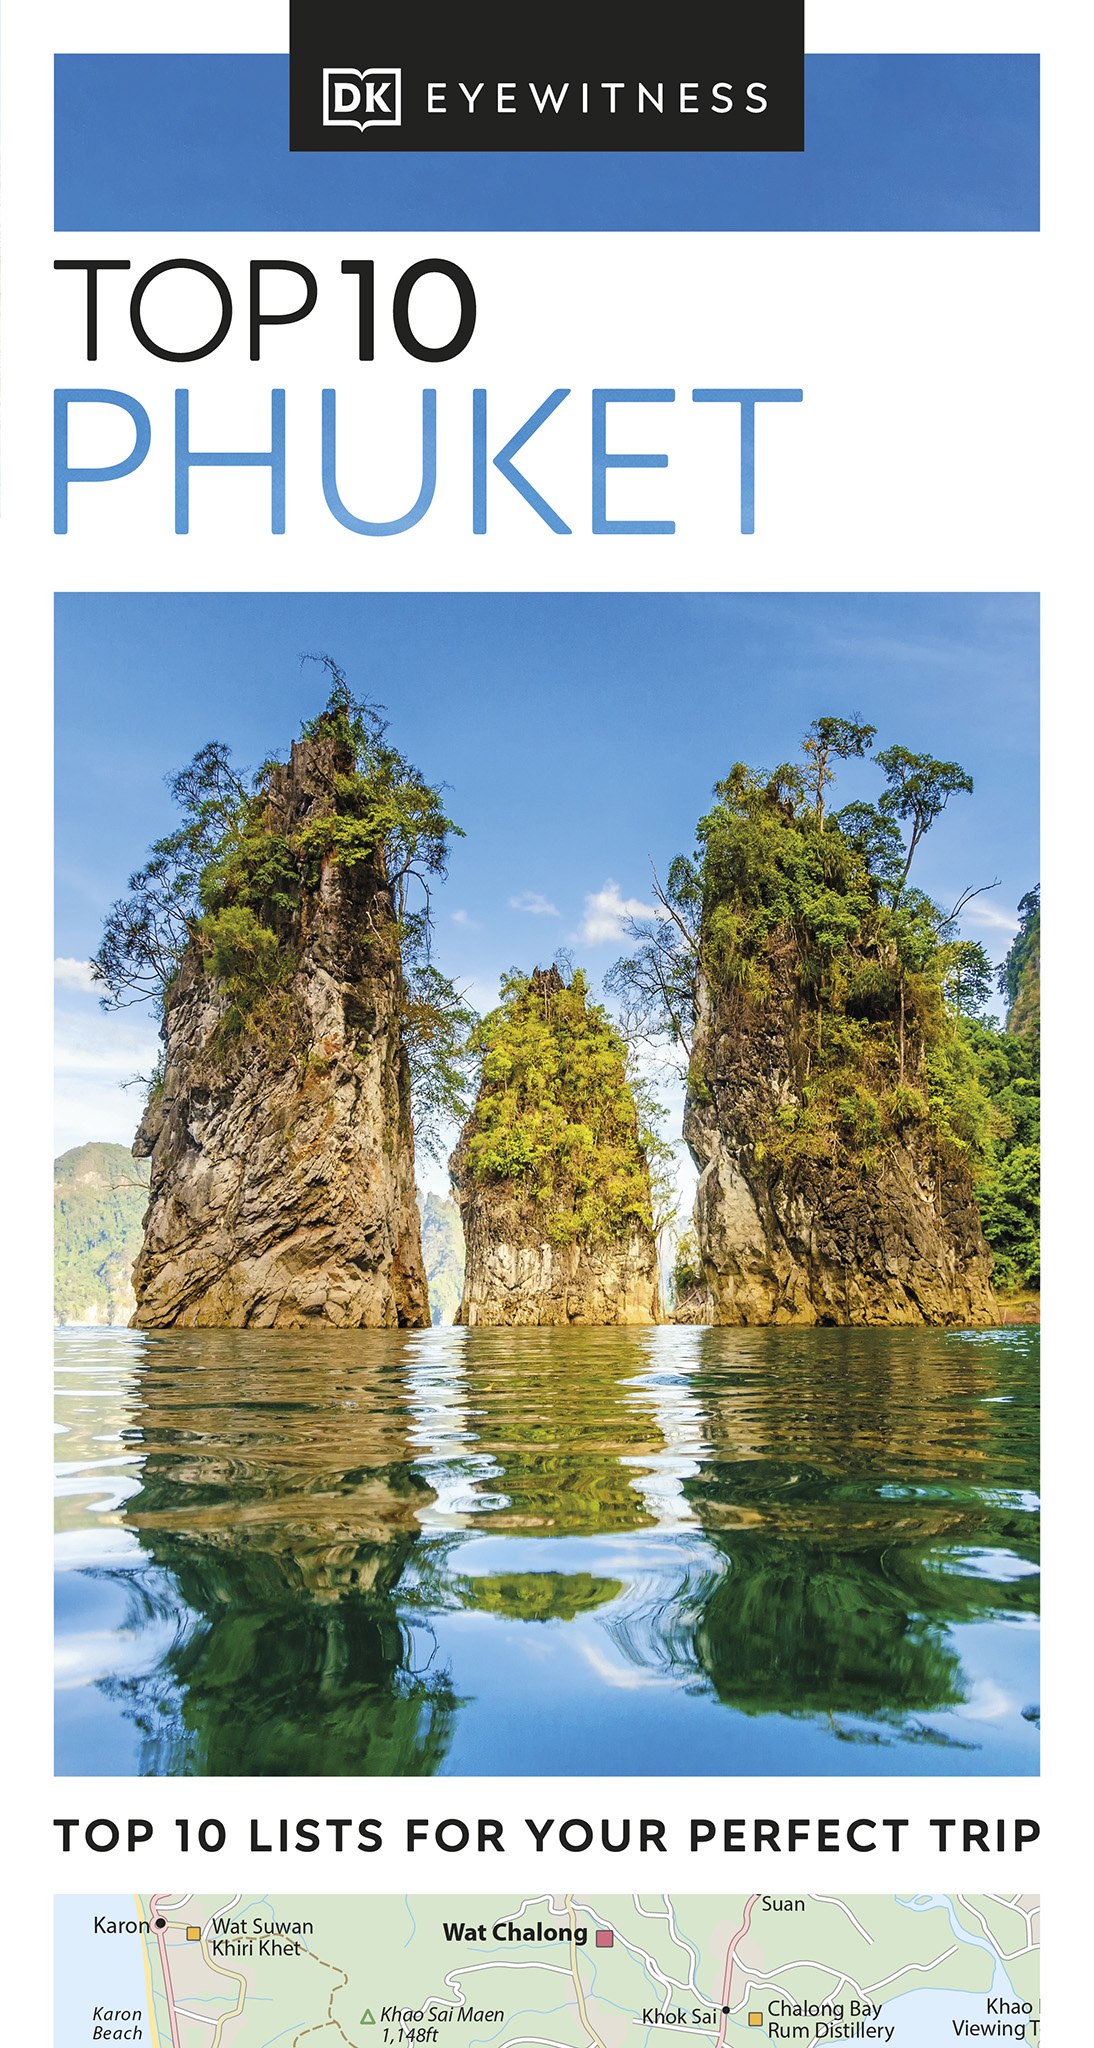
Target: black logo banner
384,78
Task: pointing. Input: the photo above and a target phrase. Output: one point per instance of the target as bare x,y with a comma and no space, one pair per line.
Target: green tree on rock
556,1114
781,891
229,882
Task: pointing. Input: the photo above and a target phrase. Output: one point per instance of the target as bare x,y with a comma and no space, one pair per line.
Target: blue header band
897,143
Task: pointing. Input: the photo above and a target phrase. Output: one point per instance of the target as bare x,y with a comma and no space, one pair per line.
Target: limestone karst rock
552,1182
281,1145
828,1239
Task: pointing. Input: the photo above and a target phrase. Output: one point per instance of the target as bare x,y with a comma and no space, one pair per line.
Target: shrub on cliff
555,1113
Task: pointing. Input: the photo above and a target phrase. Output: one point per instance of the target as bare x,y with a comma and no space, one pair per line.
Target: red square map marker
604,1937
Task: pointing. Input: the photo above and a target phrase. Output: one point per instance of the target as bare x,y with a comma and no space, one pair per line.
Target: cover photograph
546,664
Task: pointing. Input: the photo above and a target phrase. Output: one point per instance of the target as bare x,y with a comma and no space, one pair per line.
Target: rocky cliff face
891,1238
282,1153
516,1275
525,1264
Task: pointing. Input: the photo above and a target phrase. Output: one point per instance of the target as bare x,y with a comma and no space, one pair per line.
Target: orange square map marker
755,2019
193,1934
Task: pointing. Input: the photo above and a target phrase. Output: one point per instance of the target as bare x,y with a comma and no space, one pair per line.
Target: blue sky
580,736
892,142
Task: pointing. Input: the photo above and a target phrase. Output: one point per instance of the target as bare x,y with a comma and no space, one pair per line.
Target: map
547,1970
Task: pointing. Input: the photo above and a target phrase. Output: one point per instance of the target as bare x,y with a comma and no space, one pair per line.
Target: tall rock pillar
281,1145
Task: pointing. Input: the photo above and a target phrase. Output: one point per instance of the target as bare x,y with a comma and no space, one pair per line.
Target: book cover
540,543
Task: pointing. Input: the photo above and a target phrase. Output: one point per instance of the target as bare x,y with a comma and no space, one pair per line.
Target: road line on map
971,1910
671,1984
730,1954
920,1967
236,1977
533,1963
154,1910
221,1911
759,1976
687,1946
1005,1955
589,2029
1026,1916
826,1899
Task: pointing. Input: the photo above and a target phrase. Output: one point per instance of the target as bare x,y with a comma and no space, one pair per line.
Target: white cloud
987,914
460,917
73,974
537,905
94,1056
606,913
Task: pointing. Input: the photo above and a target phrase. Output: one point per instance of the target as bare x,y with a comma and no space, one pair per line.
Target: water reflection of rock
794,1524
279,1492
849,1527
564,1433
538,1596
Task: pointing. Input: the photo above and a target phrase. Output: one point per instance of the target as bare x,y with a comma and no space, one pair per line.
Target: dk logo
362,99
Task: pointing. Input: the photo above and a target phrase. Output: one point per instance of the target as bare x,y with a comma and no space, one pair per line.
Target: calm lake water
666,1551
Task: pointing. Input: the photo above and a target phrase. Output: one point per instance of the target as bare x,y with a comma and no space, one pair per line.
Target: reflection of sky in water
672,1550
446,1418
679,1417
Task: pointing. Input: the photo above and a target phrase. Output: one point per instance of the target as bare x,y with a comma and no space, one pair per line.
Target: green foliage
919,788
1008,1181
1019,977
254,867
255,969
555,1112
846,738
783,902
233,883
100,1195
244,952
437,1026
538,1596
966,976
688,1270
959,1110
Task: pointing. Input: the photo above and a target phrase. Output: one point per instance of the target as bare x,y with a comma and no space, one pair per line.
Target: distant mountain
100,1194
442,1250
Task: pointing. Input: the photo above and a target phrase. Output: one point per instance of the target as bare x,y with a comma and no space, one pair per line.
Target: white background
943,443
911,462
